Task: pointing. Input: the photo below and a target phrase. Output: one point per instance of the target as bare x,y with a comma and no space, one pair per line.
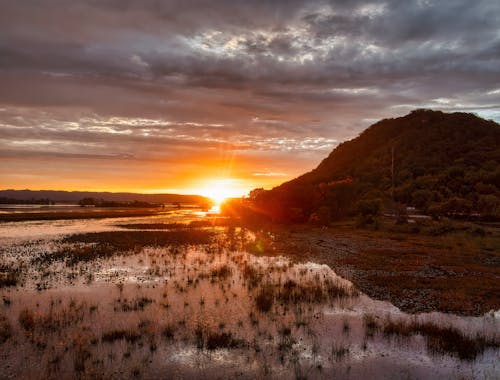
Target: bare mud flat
188,298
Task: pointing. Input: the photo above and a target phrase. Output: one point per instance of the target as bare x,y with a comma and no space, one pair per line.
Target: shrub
320,217
368,211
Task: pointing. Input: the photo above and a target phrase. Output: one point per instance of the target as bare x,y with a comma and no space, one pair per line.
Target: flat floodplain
180,295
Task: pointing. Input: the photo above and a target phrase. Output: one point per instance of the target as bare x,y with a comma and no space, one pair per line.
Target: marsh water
157,297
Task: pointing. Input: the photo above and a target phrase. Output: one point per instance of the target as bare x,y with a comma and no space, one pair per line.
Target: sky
191,96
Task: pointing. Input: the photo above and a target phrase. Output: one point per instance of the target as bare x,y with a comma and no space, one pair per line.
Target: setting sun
220,189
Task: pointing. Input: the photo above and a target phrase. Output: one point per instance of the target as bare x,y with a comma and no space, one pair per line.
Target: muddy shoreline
417,276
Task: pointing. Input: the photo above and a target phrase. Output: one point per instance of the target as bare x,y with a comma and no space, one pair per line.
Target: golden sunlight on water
215,209
219,190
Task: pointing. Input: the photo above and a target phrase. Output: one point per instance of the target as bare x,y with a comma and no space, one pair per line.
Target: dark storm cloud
247,75
254,44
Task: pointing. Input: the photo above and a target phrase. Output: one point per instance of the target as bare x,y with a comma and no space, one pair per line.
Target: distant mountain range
76,196
439,163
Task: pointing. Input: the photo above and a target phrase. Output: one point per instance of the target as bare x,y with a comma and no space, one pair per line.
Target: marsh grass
449,340
221,272
312,291
205,338
81,248
213,222
131,240
9,276
137,304
251,275
168,332
439,339
296,292
57,317
27,319
339,352
77,254
130,336
265,298
286,344
371,325
5,329
217,340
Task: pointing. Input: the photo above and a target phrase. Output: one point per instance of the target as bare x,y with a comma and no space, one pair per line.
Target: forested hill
444,163
76,196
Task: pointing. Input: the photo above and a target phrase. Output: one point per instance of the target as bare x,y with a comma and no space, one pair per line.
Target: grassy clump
292,292
312,292
5,329
27,319
114,335
53,320
222,272
8,276
265,298
398,328
448,340
371,325
286,342
223,340
168,332
137,304
339,352
439,339
251,275
211,340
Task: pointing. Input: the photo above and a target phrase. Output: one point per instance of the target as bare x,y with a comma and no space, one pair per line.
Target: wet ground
457,272
112,298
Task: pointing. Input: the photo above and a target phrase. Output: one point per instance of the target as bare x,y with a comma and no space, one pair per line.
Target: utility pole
392,173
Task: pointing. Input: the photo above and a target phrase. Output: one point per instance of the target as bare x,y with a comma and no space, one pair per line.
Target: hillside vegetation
440,163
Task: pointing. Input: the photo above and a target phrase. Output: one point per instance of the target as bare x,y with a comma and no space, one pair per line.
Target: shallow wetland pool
113,298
